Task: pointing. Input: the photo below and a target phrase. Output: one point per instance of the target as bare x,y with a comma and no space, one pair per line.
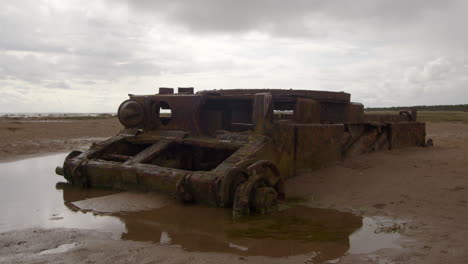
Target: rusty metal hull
234,148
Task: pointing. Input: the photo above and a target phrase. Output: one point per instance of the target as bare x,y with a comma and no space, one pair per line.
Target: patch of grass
443,116
432,116
379,112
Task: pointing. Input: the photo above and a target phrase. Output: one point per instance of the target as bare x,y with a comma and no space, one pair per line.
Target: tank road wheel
261,192
65,171
77,176
228,184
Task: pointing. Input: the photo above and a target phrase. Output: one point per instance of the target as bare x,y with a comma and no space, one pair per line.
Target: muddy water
294,231
29,198
32,195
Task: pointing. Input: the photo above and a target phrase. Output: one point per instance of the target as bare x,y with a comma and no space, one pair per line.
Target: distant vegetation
431,113
443,116
84,117
430,116
461,108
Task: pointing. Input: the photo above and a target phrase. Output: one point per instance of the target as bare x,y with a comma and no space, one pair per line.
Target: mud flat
400,206
29,136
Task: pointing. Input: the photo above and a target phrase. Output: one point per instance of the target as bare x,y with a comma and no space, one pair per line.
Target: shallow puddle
33,196
294,231
29,198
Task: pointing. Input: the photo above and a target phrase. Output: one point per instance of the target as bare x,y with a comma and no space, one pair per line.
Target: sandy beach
23,137
424,189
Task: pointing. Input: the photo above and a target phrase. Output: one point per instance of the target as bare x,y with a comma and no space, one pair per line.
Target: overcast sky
86,56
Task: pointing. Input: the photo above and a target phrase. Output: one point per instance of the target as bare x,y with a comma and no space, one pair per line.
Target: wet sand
24,137
424,189
41,199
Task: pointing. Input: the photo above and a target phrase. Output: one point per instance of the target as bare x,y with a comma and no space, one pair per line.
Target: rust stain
234,148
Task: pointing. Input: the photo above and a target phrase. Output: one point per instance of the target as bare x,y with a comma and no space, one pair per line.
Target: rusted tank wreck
233,148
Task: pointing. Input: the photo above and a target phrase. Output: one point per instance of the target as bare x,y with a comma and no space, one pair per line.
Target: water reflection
29,199
297,230
33,196
294,231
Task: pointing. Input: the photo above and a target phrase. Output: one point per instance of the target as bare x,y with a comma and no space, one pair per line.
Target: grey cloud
28,68
428,24
241,15
384,52
43,45
85,69
58,85
440,80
